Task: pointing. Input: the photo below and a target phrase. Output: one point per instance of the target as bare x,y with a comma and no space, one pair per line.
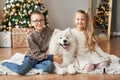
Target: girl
89,54
37,56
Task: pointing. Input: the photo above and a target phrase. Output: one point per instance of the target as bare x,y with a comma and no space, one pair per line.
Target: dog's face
64,38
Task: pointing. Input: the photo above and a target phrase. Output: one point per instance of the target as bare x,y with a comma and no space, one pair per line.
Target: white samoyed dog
63,43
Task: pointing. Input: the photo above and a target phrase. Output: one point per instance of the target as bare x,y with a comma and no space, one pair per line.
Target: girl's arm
100,52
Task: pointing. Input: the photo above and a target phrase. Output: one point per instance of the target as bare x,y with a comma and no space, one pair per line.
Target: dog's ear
55,31
69,30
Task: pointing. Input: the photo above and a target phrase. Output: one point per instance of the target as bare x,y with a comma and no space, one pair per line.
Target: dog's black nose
65,41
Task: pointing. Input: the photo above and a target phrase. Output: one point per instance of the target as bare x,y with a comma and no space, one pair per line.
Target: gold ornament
7,28
22,0
106,13
14,10
103,8
7,12
4,26
20,13
11,13
37,1
13,5
15,14
18,4
30,26
17,26
29,12
29,1
10,28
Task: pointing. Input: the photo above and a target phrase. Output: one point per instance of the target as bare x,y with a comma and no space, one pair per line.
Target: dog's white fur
68,51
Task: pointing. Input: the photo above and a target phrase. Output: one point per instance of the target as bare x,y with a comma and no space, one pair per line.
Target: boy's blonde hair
89,32
37,12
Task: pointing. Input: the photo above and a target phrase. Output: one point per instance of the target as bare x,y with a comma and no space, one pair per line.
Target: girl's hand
58,58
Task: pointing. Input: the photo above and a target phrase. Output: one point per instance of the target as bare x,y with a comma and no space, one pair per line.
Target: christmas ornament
17,13
17,26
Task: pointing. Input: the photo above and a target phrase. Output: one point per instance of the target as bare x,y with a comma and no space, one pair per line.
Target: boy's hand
58,58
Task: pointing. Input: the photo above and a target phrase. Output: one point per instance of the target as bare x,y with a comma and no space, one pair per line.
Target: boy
36,56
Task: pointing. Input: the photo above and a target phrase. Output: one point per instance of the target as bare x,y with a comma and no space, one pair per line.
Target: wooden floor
111,47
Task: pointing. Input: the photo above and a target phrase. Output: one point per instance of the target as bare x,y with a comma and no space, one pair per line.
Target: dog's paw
72,71
60,72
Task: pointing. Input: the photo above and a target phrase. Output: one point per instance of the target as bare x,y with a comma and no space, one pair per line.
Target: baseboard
116,34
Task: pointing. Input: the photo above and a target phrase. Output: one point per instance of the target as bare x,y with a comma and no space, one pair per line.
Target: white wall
118,16
94,7
61,12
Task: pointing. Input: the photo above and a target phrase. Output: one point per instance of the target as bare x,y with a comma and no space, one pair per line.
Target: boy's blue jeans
28,64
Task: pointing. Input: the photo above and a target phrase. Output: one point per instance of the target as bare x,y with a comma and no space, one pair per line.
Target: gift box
19,37
5,39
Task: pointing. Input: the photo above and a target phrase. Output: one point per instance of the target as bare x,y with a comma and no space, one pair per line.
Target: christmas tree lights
100,21
17,13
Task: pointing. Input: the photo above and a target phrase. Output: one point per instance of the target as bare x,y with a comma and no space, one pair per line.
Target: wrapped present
5,39
19,36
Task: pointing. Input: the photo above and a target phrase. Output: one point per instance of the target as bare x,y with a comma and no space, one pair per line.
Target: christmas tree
101,19
17,13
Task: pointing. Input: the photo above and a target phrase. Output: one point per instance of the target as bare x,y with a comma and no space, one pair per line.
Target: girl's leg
102,64
45,65
20,69
89,67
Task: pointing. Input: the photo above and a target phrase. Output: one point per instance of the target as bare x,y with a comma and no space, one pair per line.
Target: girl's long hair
89,32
